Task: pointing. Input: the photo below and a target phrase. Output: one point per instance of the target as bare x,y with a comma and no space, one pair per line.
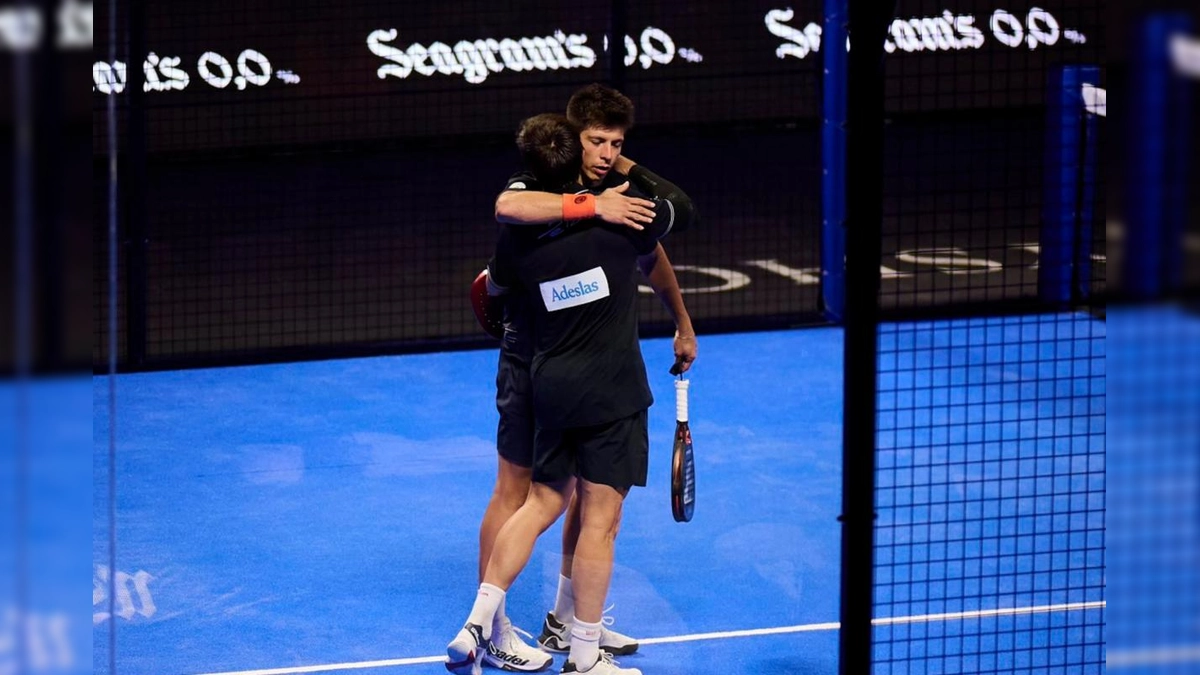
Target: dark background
347,213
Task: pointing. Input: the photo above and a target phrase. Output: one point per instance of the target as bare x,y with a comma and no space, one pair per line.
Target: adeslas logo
579,290
575,290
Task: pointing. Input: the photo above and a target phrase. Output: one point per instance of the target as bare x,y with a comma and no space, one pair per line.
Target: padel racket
683,464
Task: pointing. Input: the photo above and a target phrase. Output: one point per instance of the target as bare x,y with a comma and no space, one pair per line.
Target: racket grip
681,400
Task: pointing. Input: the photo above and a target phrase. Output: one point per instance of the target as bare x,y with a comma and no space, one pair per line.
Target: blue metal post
833,159
1155,194
1068,208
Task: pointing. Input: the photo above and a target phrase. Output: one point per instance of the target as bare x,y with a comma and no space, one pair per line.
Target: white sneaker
605,665
556,637
464,654
507,651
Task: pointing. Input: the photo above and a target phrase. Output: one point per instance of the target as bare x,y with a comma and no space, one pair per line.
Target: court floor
323,516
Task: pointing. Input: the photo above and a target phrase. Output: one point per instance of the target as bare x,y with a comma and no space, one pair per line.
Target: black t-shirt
581,279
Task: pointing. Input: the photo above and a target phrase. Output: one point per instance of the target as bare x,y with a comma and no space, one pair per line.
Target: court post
1068,208
864,222
1156,188
617,28
133,192
833,160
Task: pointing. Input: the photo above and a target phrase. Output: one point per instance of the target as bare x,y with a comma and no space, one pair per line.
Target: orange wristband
578,207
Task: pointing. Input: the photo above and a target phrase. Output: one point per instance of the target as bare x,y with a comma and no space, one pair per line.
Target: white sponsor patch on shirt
575,290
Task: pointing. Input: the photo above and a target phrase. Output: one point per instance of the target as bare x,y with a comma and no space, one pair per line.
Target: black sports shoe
556,637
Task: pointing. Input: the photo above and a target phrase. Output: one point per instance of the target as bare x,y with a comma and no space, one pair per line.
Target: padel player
513,397
590,397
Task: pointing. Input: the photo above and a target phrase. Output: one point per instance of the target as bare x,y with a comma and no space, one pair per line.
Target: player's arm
495,281
523,202
656,267
528,207
502,269
654,185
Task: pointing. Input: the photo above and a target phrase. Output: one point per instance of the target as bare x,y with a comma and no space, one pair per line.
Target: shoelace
513,629
605,618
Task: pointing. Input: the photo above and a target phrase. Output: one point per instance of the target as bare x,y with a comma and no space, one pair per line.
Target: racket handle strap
681,400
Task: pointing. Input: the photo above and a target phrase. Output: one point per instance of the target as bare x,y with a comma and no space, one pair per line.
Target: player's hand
612,206
686,349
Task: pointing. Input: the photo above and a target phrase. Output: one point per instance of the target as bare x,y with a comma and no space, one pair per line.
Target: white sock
500,619
585,645
486,603
564,603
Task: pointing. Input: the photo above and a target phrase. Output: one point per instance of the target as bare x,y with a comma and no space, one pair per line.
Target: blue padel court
323,516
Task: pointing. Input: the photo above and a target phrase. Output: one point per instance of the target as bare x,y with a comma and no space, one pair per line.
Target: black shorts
514,402
614,454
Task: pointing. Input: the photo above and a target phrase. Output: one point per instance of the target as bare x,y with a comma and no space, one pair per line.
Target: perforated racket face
683,475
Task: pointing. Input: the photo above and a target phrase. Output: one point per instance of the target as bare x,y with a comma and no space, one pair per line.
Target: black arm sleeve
502,275
656,186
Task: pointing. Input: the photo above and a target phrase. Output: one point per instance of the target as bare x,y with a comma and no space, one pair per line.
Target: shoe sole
553,644
620,651
461,663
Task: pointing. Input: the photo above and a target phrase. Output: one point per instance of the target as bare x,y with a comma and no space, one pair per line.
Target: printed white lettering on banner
259,77
163,73
805,276
953,261
940,33
947,32
1007,28
45,638
657,47
205,64
20,28
799,42
1043,28
475,60
1040,28
75,25
23,27
731,280
108,78
128,587
173,77
630,50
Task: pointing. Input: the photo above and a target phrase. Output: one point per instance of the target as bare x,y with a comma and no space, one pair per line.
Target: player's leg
564,601
510,553
611,459
556,627
510,492
514,445
506,649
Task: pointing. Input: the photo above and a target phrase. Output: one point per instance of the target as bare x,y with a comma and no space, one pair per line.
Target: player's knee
512,484
602,520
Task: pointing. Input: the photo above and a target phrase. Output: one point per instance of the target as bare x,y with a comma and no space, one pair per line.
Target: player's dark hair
550,147
599,106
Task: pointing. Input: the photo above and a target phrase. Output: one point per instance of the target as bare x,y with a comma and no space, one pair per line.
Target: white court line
782,630
1156,657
